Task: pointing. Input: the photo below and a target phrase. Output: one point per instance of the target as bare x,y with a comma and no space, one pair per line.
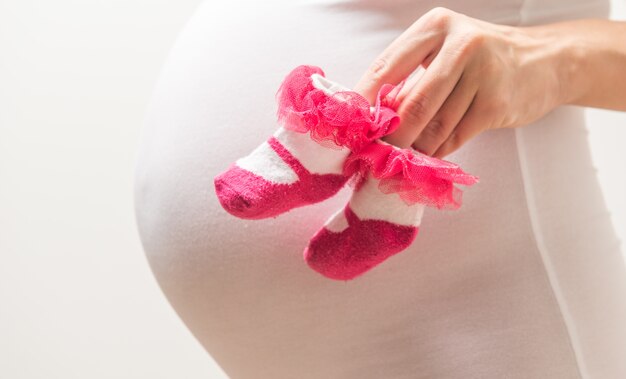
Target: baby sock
383,215
302,162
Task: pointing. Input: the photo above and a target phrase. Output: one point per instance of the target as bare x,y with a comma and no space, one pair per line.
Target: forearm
590,61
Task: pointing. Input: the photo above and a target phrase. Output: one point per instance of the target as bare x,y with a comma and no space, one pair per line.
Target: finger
410,83
472,123
401,57
428,60
451,112
425,99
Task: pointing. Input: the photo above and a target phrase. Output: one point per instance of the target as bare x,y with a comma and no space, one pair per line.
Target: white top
526,280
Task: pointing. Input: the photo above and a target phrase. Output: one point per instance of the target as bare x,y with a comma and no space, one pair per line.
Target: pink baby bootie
382,217
302,162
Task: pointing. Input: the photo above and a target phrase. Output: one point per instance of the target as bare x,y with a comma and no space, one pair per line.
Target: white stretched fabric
266,163
526,280
315,157
370,203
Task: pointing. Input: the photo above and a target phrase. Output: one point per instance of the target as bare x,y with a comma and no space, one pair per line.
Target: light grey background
77,299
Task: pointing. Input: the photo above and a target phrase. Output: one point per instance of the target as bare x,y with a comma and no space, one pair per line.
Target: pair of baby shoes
331,135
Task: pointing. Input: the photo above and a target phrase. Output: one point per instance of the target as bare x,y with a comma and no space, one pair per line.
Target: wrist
565,60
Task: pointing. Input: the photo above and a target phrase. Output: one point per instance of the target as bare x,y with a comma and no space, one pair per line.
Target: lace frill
416,177
343,118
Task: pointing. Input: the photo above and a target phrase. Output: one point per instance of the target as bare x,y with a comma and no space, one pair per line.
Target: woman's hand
477,76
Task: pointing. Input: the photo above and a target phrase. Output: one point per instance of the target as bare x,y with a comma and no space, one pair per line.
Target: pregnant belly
472,291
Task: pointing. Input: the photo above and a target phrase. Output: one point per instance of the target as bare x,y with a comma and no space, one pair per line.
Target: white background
77,299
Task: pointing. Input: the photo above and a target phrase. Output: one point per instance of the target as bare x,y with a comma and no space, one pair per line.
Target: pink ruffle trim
343,118
416,177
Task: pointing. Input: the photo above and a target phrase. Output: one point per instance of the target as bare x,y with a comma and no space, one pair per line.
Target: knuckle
438,17
378,68
496,105
489,107
454,141
416,107
504,119
475,39
435,130
471,42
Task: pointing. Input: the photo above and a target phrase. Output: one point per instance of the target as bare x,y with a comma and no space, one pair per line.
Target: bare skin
472,75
